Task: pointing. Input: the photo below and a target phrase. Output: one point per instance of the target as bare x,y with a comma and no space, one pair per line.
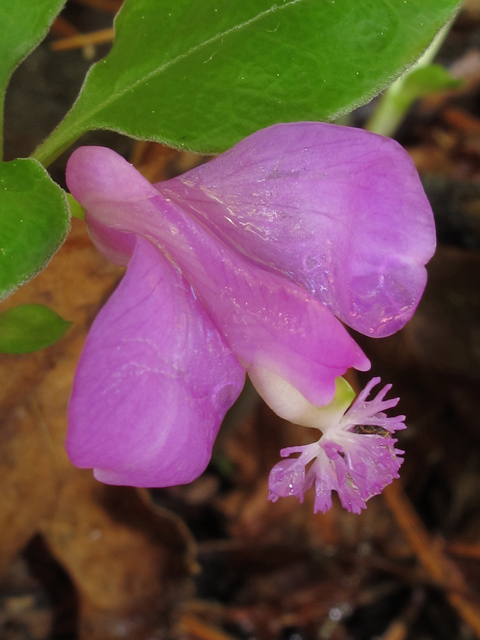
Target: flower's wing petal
115,245
267,320
153,383
338,210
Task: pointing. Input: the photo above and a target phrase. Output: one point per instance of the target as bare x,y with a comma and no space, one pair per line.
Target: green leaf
202,74
426,80
24,23
30,327
34,220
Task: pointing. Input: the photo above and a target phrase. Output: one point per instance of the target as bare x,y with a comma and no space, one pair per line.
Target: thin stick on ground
80,40
439,567
200,630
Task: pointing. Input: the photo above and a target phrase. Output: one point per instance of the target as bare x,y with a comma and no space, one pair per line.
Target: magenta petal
265,319
153,383
338,210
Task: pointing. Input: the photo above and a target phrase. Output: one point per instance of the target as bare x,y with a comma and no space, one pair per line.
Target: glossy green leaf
24,23
30,327
203,74
34,220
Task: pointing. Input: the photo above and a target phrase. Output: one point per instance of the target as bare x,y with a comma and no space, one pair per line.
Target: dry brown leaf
124,557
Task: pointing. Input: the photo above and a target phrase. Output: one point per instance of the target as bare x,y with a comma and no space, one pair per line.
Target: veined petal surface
265,318
340,211
153,383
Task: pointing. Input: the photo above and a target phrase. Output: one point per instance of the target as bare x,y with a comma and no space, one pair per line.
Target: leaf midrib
185,55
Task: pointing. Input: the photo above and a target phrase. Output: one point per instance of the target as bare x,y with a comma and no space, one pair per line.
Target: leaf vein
193,50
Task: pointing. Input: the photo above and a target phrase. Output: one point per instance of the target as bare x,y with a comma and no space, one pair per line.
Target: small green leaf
202,74
426,80
34,220
24,23
30,327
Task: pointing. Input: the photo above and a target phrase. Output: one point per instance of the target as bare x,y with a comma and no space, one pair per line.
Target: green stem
388,115
393,106
2,109
51,148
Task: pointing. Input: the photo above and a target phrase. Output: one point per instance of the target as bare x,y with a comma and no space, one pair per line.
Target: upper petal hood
338,210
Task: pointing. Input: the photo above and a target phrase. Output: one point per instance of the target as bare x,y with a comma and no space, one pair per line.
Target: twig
461,120
63,28
82,39
464,550
201,630
439,567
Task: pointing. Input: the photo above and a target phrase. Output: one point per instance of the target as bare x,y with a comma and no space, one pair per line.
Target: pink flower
240,265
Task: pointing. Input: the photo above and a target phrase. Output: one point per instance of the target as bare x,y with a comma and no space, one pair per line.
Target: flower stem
49,150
